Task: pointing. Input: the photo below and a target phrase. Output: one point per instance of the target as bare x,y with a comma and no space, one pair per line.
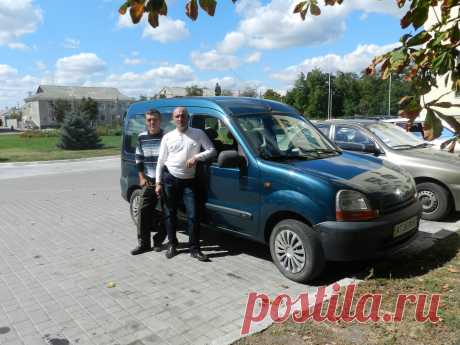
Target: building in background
39,109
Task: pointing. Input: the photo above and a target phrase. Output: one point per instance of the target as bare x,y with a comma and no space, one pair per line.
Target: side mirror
366,148
230,159
371,148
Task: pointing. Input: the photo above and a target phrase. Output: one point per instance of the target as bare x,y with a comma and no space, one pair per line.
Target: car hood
384,183
431,156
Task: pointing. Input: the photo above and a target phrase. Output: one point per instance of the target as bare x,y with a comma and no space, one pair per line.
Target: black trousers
149,218
175,190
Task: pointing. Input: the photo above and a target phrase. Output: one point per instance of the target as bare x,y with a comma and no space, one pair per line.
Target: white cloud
168,31
232,42
132,61
18,18
151,81
125,21
213,60
78,69
254,57
71,43
18,46
355,61
13,86
274,26
40,65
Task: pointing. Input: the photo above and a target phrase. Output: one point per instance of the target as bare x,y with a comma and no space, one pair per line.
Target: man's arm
139,157
162,156
209,150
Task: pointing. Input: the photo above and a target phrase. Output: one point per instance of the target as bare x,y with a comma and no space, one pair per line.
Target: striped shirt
147,149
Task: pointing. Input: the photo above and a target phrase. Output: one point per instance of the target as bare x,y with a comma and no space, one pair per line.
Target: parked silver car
437,173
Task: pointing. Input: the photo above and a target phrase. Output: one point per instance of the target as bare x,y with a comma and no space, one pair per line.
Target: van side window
217,132
135,124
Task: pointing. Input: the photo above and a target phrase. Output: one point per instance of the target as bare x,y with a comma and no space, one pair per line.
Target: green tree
60,108
77,134
194,90
89,109
226,92
298,95
143,98
273,95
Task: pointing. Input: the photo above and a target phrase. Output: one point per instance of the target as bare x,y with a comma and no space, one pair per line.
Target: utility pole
329,100
389,97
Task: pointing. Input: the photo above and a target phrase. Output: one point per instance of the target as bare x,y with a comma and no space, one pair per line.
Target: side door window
324,129
350,135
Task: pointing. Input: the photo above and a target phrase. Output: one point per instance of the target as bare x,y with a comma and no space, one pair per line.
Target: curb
13,164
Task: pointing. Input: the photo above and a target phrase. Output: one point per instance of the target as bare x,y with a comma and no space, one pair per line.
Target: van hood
385,184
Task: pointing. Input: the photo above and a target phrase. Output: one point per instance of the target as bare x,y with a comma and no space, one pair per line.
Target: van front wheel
296,250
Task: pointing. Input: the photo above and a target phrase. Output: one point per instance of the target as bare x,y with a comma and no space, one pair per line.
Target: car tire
134,202
435,201
296,250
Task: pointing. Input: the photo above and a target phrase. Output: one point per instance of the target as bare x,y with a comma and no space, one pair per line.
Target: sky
253,43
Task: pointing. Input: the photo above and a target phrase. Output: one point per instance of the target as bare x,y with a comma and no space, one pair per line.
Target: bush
77,134
40,133
105,130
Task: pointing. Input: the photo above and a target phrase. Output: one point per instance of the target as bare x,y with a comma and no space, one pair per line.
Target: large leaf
432,126
420,14
153,19
136,11
315,10
155,6
191,9
209,6
420,38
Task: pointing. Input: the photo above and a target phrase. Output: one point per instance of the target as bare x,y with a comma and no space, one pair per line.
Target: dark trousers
149,218
176,190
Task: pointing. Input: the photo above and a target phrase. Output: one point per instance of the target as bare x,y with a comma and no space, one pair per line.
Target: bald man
175,176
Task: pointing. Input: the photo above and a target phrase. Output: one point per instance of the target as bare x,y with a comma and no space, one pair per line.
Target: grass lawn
13,148
436,270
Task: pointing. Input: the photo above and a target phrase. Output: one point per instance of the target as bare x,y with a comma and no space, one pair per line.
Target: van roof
227,105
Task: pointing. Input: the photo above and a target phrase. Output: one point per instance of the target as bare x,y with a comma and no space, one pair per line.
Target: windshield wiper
424,145
319,151
284,158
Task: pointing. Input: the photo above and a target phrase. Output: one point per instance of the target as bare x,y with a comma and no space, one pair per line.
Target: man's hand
142,181
158,190
191,162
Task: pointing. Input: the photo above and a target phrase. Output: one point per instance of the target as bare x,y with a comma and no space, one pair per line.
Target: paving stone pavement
65,235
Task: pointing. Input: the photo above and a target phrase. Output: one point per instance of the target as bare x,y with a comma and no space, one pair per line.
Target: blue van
278,180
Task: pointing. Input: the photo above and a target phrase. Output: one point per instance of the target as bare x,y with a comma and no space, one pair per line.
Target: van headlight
351,205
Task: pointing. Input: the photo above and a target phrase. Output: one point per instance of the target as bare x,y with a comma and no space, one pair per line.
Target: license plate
405,226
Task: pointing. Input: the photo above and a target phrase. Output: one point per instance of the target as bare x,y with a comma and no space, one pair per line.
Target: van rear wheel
296,250
134,203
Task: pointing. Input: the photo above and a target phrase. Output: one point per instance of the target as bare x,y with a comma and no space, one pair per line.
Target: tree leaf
298,8
123,8
191,10
315,10
406,20
155,6
209,6
153,19
420,38
420,14
432,126
136,11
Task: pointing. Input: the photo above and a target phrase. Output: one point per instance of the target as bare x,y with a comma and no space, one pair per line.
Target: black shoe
140,249
199,255
171,252
157,248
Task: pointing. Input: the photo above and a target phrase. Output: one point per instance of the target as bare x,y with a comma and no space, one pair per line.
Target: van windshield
136,124
281,137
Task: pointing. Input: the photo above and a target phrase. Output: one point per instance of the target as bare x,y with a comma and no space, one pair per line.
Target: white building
39,111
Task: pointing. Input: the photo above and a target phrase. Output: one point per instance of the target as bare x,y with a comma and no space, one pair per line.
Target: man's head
153,121
180,117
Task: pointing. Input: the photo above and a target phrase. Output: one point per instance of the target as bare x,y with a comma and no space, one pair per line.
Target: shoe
171,252
199,255
157,248
140,249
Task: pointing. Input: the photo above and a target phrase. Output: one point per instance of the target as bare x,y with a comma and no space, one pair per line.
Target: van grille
394,207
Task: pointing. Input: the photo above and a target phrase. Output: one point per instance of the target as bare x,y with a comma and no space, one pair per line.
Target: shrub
40,133
77,134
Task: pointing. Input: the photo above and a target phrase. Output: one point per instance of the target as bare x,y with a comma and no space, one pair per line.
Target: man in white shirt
175,174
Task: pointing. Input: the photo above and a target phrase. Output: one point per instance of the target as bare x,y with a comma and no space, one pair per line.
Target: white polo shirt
178,147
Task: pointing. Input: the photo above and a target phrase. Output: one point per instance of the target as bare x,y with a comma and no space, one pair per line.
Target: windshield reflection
395,137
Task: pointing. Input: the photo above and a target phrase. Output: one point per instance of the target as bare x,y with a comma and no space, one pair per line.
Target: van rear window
135,124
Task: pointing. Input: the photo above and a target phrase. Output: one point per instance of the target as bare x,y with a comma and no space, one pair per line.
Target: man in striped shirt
147,150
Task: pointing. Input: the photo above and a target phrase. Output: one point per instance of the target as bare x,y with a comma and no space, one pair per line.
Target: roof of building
52,92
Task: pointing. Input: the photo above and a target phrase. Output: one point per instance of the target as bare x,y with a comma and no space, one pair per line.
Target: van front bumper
346,241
